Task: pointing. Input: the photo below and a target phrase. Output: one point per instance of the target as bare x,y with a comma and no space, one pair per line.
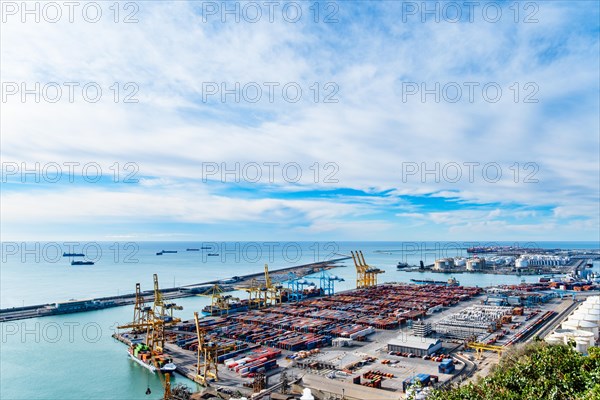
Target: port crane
219,301
141,315
160,315
296,287
327,282
145,320
366,276
273,292
481,347
206,363
255,294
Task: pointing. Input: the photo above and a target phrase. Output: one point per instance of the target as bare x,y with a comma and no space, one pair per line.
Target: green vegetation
535,371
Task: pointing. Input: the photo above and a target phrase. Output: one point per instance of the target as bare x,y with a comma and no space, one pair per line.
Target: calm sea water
75,357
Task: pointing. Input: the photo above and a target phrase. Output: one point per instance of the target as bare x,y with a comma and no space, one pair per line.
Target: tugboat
140,353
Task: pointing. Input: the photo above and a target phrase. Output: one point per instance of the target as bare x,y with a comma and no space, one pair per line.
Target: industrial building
475,264
419,346
443,264
421,329
473,321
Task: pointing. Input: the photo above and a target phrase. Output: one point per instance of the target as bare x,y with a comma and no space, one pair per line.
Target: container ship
449,282
140,353
234,307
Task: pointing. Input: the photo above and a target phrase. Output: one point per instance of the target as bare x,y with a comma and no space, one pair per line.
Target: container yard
370,341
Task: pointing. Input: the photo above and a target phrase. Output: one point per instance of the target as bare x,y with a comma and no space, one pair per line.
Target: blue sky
366,146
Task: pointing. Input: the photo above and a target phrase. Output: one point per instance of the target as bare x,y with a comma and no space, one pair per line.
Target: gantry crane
142,315
273,293
366,276
206,364
220,302
481,347
296,287
327,282
255,294
160,316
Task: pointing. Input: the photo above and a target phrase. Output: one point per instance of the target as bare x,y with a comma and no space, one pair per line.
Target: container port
374,342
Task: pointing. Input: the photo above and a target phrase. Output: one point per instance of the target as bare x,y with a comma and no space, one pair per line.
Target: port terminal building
419,346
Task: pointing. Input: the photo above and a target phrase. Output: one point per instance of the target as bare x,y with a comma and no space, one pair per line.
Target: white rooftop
415,342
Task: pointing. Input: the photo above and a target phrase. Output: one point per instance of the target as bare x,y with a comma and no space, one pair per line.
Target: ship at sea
449,282
402,265
160,253
141,354
73,255
82,263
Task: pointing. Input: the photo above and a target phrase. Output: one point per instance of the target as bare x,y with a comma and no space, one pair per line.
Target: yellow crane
366,276
255,294
206,364
220,302
273,293
141,315
160,315
481,347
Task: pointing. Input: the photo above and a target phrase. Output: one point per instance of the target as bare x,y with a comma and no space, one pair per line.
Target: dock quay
75,306
369,342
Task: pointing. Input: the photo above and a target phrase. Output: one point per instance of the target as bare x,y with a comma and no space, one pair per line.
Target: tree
536,371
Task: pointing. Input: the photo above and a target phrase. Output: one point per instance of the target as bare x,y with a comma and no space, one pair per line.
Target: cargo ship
82,263
140,353
73,255
449,282
192,249
233,308
160,253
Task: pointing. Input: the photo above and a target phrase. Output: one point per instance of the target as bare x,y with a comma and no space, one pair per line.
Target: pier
74,306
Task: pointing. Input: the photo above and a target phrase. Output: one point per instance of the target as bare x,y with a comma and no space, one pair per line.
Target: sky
347,120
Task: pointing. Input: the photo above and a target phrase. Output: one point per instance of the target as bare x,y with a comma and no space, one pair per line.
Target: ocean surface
74,356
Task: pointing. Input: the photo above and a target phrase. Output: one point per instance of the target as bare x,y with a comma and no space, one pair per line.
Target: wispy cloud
368,134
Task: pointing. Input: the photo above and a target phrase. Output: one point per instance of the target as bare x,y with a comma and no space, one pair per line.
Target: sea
74,356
